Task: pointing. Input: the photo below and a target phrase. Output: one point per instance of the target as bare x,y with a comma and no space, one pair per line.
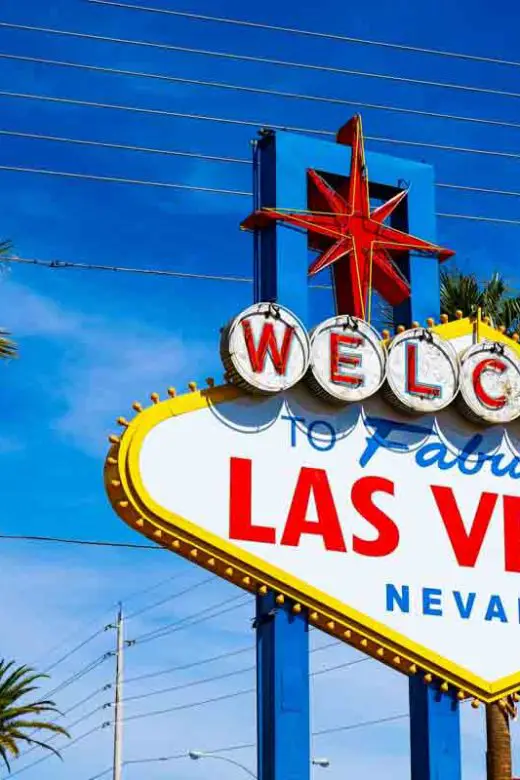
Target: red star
351,238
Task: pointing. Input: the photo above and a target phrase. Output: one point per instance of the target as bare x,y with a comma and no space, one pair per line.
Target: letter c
493,365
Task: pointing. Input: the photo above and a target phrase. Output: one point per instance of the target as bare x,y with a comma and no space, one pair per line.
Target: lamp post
195,755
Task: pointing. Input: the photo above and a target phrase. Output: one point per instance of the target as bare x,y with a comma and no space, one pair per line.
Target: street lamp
195,755
323,762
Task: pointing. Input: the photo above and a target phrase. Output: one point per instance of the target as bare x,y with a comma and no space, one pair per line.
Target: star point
354,241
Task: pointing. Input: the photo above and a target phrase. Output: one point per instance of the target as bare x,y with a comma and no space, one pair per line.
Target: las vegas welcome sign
373,483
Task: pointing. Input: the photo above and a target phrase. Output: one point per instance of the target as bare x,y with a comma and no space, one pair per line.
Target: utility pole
118,703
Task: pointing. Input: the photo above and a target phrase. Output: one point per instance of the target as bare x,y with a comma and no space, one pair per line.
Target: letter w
267,344
466,545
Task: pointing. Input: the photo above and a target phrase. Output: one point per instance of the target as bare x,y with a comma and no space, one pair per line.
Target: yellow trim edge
173,532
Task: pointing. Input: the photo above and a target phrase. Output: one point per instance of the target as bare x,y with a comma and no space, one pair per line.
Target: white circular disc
422,372
265,349
348,361
490,383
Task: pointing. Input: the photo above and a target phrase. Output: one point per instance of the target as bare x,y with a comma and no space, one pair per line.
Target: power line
234,673
69,727
119,180
352,726
207,157
192,620
81,673
132,595
246,746
311,33
211,659
75,650
212,190
250,123
124,147
66,265
227,749
192,684
178,594
69,745
142,591
266,60
191,665
255,90
191,705
102,774
81,542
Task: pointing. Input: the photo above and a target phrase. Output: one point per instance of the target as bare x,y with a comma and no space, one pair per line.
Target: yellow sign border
132,503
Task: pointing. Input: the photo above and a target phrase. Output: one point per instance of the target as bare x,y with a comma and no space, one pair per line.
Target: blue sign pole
281,262
282,664
282,637
434,733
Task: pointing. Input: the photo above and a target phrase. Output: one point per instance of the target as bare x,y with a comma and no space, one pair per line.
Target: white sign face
348,361
405,530
490,383
422,371
265,349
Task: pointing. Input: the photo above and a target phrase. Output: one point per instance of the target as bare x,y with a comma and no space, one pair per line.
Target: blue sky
91,343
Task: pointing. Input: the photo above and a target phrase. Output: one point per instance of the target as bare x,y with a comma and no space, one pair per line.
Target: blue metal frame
282,668
434,733
281,261
283,160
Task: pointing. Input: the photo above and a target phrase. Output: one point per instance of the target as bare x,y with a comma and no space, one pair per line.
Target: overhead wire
68,726
123,147
75,649
191,684
178,594
193,620
247,123
191,665
234,673
62,750
309,33
212,190
211,659
118,180
265,60
206,157
190,705
80,542
102,774
90,667
258,90
248,745
66,264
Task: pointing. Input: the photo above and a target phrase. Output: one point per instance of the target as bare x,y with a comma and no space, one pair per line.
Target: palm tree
20,714
498,753
493,297
7,347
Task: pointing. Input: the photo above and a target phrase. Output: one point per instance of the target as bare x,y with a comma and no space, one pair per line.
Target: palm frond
7,346
20,713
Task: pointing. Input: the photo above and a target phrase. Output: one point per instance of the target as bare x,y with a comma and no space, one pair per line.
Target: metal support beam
434,733
282,650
